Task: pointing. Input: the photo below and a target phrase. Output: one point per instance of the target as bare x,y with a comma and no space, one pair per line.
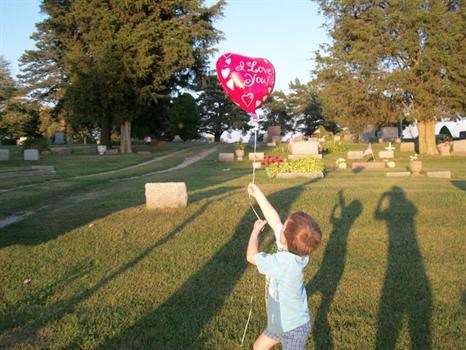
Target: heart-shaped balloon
248,81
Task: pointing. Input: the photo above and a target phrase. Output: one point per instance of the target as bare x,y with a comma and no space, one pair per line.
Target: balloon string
254,166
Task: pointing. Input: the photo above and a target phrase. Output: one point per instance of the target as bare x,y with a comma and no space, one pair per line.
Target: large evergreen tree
394,59
116,58
218,112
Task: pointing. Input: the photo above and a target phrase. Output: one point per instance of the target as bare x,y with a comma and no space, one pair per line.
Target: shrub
335,147
304,165
35,143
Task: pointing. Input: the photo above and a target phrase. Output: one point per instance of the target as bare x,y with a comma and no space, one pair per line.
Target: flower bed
296,166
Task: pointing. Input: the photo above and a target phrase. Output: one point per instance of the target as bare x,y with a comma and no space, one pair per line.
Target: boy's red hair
302,234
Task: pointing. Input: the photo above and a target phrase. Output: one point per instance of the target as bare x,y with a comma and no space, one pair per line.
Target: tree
120,57
185,116
218,113
277,112
393,60
304,102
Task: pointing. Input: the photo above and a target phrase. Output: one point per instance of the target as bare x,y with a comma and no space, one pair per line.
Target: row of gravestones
29,154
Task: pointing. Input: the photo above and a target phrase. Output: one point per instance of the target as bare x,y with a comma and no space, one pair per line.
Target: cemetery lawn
91,268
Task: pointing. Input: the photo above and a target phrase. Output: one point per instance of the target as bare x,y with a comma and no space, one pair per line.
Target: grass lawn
105,273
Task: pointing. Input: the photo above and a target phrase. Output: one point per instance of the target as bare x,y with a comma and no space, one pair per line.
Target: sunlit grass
107,273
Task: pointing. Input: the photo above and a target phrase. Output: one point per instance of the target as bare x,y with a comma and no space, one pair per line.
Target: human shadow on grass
406,290
178,323
459,184
20,319
327,278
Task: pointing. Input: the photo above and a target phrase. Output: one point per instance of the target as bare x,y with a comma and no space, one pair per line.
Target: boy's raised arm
268,210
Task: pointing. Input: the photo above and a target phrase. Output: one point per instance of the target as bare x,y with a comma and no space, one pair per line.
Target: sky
286,32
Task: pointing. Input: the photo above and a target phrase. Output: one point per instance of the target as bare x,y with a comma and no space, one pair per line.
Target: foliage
335,147
38,143
185,116
302,165
277,112
218,112
281,147
115,60
392,60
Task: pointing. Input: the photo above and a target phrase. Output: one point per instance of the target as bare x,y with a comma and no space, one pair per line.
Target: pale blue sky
286,32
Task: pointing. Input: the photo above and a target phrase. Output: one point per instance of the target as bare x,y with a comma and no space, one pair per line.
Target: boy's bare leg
264,343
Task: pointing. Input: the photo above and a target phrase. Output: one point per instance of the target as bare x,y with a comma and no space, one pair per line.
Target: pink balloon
248,81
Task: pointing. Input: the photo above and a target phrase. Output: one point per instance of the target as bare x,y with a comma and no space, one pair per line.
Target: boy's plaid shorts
295,339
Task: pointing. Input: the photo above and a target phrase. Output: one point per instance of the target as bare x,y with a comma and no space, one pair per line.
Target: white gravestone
259,156
407,147
226,157
386,154
304,148
4,154
31,154
459,147
355,155
162,195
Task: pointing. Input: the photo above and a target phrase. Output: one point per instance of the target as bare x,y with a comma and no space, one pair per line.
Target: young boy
288,319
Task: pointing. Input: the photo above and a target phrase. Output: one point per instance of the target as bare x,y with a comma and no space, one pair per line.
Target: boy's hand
259,225
253,190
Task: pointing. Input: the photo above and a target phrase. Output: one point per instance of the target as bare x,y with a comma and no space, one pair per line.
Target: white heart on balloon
247,99
225,73
230,84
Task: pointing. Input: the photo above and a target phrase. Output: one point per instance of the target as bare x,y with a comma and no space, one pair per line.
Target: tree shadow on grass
75,207
179,321
328,277
26,329
406,291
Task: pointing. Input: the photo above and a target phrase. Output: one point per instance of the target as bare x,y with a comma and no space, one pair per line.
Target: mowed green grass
108,274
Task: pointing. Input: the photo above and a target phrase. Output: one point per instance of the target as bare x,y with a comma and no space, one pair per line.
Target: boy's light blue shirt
287,299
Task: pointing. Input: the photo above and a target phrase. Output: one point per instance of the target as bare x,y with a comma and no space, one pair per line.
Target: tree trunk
105,133
426,130
217,136
125,138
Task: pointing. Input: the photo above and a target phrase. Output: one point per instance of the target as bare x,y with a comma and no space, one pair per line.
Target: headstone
337,138
59,138
386,154
407,147
314,175
256,165
355,155
31,154
64,151
101,149
459,147
112,151
146,153
391,164
388,133
273,133
161,195
177,138
300,156
348,137
4,154
226,157
444,149
399,174
304,147
271,144
368,165
369,133
259,156
462,135
440,174
48,169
